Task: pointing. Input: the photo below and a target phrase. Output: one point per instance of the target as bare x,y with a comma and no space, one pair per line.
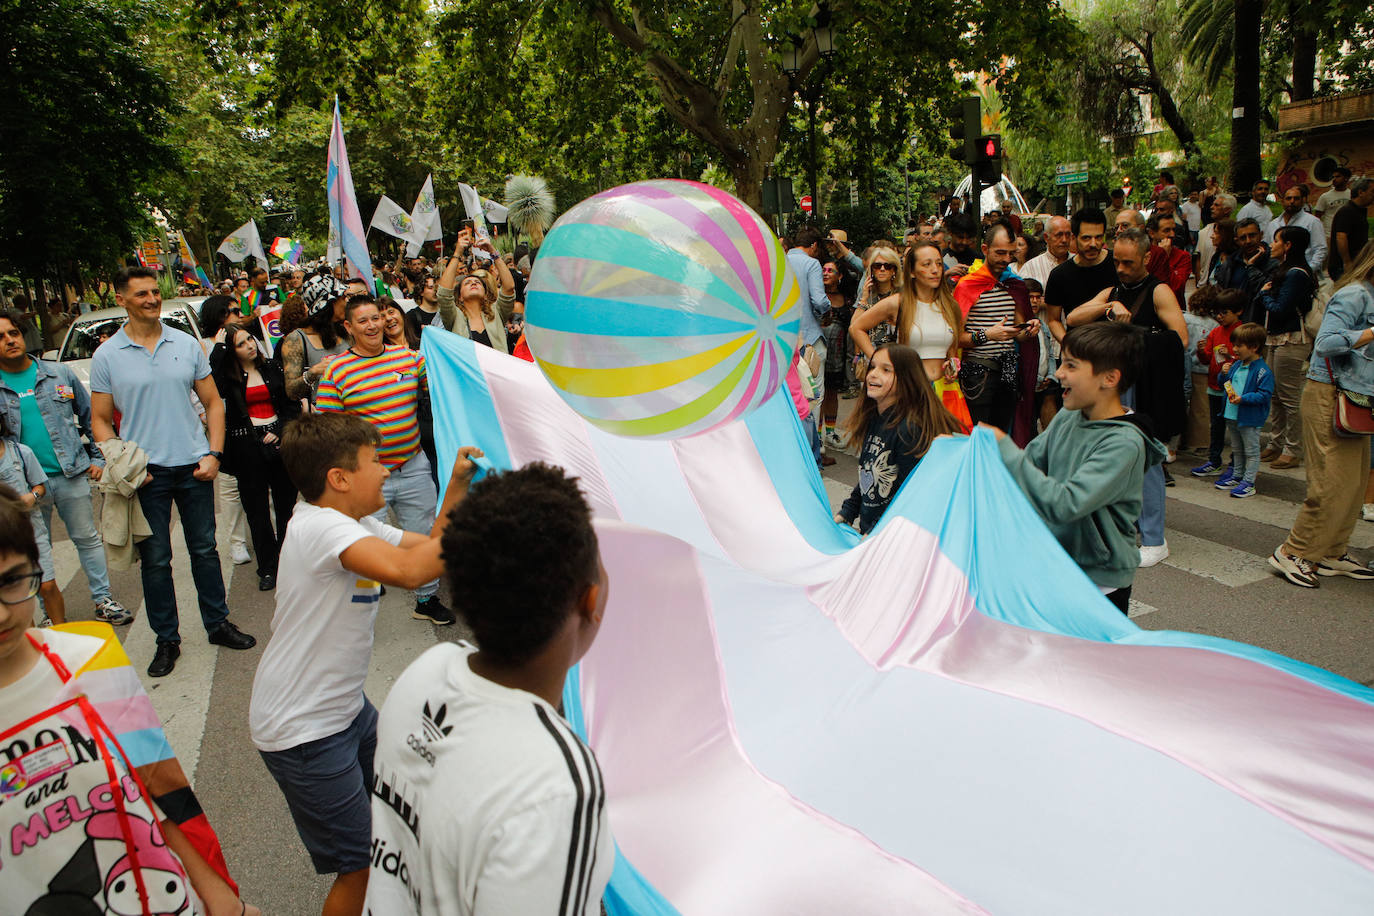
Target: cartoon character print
76,889
877,476
163,877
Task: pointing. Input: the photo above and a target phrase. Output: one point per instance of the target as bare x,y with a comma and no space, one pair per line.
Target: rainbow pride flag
288,249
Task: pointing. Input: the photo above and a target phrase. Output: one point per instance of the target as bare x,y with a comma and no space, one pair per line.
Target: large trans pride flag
945,717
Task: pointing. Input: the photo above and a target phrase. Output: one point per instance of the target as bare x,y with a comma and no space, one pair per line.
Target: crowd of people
1094,346
1238,314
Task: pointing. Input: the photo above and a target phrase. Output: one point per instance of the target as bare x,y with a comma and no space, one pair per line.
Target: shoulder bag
1353,416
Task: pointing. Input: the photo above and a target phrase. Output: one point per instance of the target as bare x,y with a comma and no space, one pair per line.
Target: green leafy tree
82,126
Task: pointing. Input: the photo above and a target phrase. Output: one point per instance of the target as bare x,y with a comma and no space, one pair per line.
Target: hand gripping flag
345,225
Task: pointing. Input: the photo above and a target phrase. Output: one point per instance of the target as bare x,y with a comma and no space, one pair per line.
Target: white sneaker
833,440
1367,512
239,553
1152,556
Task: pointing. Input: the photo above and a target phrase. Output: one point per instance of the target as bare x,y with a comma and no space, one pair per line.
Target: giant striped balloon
662,309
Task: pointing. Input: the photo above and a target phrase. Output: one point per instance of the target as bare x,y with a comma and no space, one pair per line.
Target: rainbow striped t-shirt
383,390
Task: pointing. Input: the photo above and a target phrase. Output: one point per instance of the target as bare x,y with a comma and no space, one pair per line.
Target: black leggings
264,476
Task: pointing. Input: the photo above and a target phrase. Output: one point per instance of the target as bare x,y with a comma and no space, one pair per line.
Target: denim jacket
1349,313
66,408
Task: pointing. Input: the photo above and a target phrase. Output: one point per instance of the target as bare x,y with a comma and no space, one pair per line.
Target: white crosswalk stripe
1214,561
1267,510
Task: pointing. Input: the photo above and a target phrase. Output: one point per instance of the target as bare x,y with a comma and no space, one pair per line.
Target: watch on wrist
218,456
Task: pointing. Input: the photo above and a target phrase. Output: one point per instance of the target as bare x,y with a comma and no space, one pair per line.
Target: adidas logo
433,723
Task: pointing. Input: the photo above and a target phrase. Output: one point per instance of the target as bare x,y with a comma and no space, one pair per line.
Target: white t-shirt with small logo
484,801
309,683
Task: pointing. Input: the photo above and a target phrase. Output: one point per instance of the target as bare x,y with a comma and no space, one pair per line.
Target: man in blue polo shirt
39,401
147,372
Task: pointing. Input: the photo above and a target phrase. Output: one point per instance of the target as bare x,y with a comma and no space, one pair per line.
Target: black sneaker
266,583
231,637
433,610
164,659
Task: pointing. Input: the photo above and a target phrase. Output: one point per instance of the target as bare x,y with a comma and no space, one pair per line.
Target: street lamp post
810,92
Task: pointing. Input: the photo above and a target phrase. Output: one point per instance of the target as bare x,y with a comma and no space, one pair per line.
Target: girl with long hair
895,422
1283,302
256,407
926,317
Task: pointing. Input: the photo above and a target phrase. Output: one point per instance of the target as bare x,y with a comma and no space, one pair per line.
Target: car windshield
87,335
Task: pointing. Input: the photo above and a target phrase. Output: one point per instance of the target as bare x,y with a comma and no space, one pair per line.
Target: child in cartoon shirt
896,422
97,814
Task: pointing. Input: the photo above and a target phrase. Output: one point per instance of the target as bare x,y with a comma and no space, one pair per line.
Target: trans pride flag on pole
345,224
942,717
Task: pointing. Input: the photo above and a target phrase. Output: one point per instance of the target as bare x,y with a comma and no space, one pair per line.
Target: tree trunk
1245,167
1168,110
1304,58
748,175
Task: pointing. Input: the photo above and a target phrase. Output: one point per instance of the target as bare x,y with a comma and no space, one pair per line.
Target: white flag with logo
242,242
391,219
496,213
426,216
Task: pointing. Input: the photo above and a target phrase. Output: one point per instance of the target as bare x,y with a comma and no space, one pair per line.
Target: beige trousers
1283,431
1336,471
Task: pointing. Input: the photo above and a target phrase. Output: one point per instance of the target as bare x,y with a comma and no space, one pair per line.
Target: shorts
328,787
1051,391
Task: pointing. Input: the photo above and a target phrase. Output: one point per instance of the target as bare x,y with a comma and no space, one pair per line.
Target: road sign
805,203
1071,173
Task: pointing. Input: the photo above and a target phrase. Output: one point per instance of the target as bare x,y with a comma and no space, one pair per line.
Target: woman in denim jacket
1336,465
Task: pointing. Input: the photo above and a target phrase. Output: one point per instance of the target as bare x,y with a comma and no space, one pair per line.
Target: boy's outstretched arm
416,559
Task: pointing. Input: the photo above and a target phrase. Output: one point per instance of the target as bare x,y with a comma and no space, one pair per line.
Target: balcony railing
1331,111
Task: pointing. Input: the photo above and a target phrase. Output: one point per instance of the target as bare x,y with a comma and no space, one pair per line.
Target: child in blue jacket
1249,385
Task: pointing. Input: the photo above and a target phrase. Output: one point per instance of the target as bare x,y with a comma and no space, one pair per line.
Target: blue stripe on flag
784,445
1020,575
465,417
628,893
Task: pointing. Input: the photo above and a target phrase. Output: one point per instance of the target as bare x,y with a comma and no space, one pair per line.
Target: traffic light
965,125
987,160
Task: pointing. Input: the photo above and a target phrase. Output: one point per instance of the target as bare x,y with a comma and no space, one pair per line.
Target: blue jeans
195,502
410,495
72,498
1151,521
1245,450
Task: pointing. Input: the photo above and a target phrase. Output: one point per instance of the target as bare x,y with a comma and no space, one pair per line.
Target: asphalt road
1215,581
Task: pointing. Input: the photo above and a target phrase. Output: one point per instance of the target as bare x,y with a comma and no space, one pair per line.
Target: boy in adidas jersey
308,717
485,800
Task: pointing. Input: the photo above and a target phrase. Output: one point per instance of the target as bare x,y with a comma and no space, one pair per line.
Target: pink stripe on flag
670,756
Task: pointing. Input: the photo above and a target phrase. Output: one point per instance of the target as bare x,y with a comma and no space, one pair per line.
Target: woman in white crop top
924,311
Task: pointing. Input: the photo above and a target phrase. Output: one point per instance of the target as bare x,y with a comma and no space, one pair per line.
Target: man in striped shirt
381,384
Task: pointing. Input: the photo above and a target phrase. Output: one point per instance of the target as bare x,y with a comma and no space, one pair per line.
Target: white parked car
85,333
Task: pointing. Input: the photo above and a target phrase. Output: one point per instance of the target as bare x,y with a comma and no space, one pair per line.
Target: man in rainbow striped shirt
381,384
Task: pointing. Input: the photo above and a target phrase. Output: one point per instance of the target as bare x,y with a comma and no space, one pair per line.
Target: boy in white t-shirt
309,719
485,800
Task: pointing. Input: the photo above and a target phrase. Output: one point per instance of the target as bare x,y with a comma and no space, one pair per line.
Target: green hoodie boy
1084,474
